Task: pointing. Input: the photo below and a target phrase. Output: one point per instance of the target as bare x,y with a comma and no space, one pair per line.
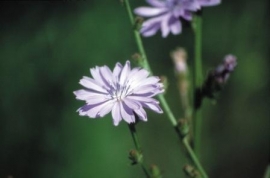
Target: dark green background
46,47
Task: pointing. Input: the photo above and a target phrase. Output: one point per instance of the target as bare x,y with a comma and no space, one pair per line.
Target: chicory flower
124,92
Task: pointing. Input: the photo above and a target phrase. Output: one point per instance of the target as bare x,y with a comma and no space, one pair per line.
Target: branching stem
161,98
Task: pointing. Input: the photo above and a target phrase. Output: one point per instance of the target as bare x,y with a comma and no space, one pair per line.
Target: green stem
197,131
134,137
193,157
197,81
161,97
198,51
146,64
137,37
167,110
138,147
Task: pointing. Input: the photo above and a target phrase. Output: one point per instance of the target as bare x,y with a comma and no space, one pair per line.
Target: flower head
123,92
166,15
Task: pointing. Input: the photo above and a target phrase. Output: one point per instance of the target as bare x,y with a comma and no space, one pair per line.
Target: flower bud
183,126
137,58
154,171
135,156
138,22
191,171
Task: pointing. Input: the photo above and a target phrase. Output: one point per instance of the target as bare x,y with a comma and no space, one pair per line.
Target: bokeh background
46,47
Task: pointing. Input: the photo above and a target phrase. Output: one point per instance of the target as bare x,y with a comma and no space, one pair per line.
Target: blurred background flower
47,46
166,15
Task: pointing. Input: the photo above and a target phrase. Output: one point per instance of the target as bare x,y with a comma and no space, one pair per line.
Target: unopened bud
137,58
135,156
138,22
155,172
183,126
191,171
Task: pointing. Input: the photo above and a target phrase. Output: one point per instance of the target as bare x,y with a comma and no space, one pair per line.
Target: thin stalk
135,137
167,110
198,51
137,37
194,157
138,147
146,64
197,82
161,97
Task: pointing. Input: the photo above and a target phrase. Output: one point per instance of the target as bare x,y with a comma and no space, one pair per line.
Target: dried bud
154,171
135,156
179,57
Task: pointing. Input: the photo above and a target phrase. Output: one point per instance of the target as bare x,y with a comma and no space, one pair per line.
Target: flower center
120,92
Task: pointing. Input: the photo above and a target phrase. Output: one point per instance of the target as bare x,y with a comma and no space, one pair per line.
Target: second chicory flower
165,15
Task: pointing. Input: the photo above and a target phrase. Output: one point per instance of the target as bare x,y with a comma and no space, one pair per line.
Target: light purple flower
166,15
123,92
223,71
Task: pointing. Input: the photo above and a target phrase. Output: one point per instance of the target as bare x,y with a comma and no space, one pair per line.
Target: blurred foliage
46,47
